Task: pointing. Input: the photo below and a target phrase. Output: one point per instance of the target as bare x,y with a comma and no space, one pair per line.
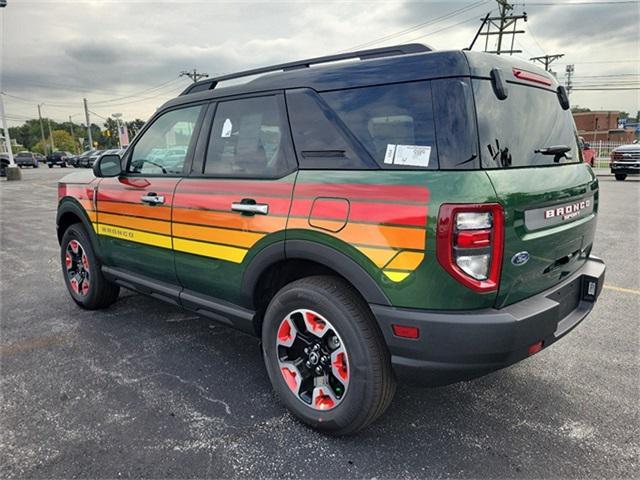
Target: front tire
325,355
621,176
81,270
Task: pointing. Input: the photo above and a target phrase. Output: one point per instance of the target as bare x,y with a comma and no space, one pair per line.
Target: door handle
247,208
152,199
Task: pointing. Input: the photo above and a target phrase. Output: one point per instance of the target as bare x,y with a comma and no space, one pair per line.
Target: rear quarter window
394,123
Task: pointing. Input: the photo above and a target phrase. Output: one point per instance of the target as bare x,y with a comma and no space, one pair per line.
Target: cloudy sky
125,56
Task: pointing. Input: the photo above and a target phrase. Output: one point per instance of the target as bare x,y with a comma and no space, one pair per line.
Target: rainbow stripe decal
385,223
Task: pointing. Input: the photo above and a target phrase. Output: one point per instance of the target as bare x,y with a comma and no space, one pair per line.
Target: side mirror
108,166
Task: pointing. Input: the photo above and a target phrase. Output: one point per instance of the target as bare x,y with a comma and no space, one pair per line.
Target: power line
418,26
193,75
571,4
445,28
503,25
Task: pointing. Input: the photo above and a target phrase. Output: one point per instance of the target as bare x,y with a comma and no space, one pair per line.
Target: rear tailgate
550,215
529,150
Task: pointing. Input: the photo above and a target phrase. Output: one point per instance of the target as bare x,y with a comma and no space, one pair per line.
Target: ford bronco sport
406,214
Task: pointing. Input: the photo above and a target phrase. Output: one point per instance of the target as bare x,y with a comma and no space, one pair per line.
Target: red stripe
277,206
414,215
264,187
139,183
131,196
395,193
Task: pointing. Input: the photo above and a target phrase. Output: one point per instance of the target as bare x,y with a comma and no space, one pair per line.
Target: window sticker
391,152
408,155
227,127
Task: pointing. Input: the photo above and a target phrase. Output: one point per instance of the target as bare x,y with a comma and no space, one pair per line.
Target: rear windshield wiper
558,151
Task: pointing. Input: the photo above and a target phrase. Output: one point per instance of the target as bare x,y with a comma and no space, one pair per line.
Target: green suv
395,213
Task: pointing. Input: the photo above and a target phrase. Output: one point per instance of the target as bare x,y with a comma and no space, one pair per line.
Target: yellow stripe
216,235
379,256
396,276
223,252
624,290
406,261
134,236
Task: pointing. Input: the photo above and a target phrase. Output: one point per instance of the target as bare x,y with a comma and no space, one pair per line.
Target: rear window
394,123
529,119
23,154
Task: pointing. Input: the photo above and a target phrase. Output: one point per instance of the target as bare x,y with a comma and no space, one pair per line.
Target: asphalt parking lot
143,389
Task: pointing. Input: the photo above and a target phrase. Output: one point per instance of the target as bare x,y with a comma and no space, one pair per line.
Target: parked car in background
82,159
58,158
588,153
72,161
4,163
41,158
26,159
90,159
625,160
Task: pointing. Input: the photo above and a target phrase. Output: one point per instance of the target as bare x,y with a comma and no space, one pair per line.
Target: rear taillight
470,243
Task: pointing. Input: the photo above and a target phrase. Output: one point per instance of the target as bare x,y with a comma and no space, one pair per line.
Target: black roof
402,63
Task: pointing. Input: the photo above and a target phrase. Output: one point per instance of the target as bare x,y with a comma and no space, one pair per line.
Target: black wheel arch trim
71,205
316,252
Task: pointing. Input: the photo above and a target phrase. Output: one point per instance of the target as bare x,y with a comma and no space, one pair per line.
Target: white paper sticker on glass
408,155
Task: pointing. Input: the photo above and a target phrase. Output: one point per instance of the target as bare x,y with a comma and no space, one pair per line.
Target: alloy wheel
313,359
78,268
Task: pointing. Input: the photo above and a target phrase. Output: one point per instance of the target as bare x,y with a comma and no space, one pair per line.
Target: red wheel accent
68,261
286,333
85,261
85,287
74,285
315,324
322,399
74,246
291,378
339,365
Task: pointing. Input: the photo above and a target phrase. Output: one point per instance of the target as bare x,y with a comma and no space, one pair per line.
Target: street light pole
53,147
117,116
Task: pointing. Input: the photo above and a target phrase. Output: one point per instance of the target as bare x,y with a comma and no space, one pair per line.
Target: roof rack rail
210,83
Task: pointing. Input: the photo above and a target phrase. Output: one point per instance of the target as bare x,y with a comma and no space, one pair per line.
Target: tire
621,176
50,165
98,292
366,365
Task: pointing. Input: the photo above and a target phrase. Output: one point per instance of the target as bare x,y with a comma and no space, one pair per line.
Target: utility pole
502,26
86,116
44,142
194,75
73,135
53,146
547,60
568,76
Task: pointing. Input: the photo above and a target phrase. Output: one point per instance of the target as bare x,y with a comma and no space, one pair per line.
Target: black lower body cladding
456,346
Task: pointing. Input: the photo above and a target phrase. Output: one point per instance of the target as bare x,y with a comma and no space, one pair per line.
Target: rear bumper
461,345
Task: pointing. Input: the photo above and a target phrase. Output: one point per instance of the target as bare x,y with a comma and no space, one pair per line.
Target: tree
63,141
579,109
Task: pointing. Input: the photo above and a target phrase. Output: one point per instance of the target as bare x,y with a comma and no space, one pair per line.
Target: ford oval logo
520,258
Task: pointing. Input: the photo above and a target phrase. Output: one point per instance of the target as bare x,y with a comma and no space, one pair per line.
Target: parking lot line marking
624,290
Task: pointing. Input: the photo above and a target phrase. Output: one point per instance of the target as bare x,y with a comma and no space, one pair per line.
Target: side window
247,139
163,147
393,122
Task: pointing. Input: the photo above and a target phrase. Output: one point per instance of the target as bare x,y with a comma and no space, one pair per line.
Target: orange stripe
92,216
153,226
158,212
378,235
216,235
229,220
379,256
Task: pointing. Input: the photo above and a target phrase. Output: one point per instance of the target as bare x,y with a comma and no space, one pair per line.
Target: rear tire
370,383
621,176
80,265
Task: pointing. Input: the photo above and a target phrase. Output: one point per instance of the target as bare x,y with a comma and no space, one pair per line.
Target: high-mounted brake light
531,77
470,242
